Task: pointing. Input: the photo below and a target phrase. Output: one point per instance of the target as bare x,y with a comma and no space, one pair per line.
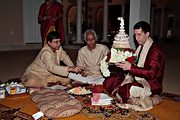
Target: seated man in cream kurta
89,58
46,66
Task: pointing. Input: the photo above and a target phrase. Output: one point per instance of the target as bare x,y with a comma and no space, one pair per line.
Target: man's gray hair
92,31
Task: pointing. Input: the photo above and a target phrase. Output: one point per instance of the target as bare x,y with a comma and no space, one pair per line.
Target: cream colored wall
11,22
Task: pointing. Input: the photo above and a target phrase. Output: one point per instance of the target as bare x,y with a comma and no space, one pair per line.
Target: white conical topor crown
121,40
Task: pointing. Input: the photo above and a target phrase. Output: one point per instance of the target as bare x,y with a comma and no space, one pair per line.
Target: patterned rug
7,113
118,114
112,112
115,113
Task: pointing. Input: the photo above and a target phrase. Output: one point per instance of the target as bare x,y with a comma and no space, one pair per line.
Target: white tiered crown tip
121,40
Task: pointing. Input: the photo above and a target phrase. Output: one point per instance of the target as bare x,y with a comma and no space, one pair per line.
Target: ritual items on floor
13,88
2,93
79,91
56,103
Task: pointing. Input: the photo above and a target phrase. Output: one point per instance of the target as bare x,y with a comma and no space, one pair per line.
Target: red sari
152,71
51,19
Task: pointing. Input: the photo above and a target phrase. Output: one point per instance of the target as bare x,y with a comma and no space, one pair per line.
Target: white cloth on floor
90,80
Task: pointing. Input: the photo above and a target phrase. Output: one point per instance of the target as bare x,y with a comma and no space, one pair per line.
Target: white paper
101,99
38,115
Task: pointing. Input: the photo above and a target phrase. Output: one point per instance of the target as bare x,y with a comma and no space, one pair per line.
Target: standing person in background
51,19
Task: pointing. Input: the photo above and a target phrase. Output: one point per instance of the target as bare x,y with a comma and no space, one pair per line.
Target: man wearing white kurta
89,58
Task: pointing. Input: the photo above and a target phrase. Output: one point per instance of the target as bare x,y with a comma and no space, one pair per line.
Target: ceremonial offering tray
79,91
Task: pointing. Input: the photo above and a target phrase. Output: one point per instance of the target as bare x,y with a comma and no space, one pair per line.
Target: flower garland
117,55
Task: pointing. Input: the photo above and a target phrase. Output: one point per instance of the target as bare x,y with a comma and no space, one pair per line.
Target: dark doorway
114,24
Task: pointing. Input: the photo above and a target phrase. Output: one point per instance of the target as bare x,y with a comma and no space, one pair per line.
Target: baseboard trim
171,96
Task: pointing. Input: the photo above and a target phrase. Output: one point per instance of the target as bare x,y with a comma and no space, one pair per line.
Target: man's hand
83,73
124,65
75,69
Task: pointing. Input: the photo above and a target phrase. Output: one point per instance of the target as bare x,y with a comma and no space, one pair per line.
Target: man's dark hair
52,35
143,25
